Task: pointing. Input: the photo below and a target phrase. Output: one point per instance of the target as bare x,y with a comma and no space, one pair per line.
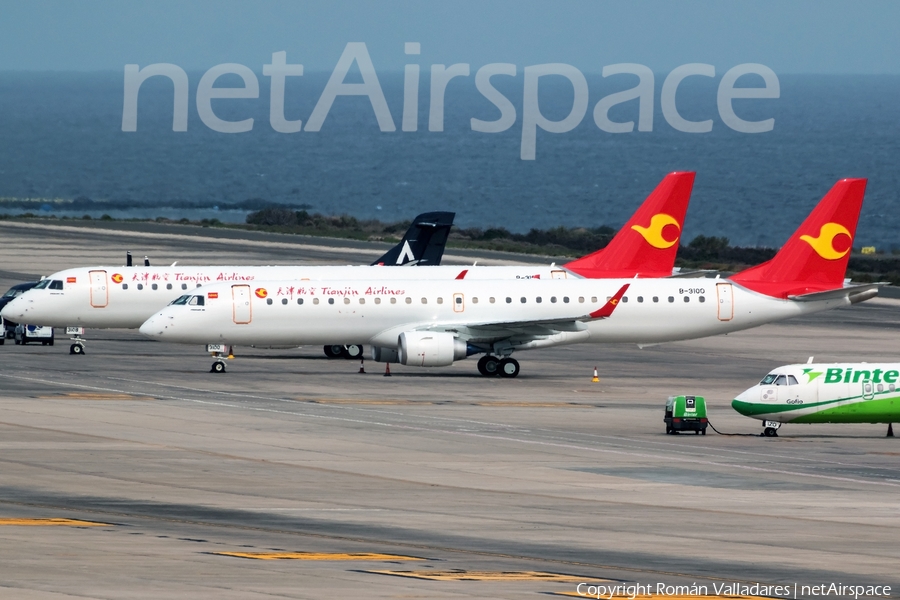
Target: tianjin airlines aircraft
103,297
434,323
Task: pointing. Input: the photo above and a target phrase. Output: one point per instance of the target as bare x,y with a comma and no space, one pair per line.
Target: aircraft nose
155,326
742,403
14,310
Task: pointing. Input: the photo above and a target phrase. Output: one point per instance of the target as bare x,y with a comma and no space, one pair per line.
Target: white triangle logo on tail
406,254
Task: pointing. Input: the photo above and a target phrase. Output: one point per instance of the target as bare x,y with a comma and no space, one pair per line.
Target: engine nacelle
430,349
388,355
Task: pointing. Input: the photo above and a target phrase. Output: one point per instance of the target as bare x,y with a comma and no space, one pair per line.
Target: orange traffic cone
362,367
595,379
387,369
230,351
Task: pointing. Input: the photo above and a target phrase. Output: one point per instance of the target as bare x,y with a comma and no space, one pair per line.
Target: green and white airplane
824,393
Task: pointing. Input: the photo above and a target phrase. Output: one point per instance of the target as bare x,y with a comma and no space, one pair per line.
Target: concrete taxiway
295,476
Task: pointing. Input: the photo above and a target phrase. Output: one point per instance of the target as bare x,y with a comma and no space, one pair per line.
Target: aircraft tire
488,365
509,368
218,367
334,351
770,432
352,352
76,349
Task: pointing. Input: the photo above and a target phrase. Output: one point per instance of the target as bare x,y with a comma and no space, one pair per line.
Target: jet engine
430,349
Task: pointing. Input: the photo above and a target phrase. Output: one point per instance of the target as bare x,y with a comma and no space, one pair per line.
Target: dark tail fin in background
646,245
815,258
423,243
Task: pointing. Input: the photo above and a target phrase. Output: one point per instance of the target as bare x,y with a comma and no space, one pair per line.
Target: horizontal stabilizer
855,293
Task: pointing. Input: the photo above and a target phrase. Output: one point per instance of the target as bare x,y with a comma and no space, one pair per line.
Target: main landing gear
492,365
351,352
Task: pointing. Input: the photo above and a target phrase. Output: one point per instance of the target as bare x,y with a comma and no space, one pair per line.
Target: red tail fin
646,245
815,258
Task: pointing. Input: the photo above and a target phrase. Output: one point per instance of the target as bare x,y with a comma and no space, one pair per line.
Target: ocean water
61,137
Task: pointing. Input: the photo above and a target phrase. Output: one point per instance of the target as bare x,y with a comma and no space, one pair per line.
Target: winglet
607,309
646,245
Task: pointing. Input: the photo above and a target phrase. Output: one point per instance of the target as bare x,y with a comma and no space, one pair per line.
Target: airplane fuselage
825,393
125,297
517,314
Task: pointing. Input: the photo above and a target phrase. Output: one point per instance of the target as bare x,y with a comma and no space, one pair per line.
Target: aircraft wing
854,293
494,330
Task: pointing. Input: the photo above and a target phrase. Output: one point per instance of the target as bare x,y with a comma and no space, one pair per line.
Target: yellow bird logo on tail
824,243
654,233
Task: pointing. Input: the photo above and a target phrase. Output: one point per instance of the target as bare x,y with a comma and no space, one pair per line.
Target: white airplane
434,323
824,393
117,297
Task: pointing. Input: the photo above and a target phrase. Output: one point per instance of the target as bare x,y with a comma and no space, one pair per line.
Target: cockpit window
792,380
781,380
768,379
12,293
56,285
42,284
197,301
180,300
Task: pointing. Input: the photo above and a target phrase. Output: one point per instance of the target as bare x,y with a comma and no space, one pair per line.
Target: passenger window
56,285
781,380
140,286
299,300
581,299
687,299
880,387
701,299
474,300
268,301
124,286
594,299
346,300
508,300
377,300
624,298
200,301
656,298
424,300
315,300
284,301
184,286
198,285
640,299
553,299
154,286
565,299
491,300
168,286
362,300
538,299
671,298
792,380
393,301
408,300
441,300
522,300
331,301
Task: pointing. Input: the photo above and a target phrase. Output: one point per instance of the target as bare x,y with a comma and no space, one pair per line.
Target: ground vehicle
33,333
686,413
15,291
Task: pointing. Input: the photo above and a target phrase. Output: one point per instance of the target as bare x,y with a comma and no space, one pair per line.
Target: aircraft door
559,274
868,390
724,296
241,309
459,303
99,289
